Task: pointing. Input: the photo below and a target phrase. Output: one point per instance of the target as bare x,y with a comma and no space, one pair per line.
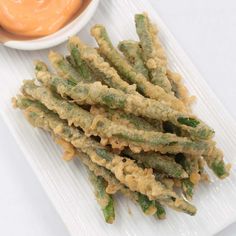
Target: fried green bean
117,135
120,117
96,93
82,69
147,206
63,67
154,55
190,164
70,59
152,52
113,185
160,213
104,199
81,66
125,170
180,206
187,188
129,73
158,162
179,88
215,162
102,69
132,52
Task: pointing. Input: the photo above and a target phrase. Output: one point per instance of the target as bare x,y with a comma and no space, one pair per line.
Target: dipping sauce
36,18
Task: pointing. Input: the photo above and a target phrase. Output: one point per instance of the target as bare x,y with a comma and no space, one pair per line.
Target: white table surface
207,32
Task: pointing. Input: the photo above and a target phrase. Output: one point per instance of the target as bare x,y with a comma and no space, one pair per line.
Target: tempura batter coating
122,118
104,199
80,64
146,205
132,52
179,88
63,67
152,52
215,161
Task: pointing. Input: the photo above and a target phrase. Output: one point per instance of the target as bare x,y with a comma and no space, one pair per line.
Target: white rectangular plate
66,183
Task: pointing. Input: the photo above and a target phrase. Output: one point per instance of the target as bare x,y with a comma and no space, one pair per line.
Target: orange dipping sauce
35,18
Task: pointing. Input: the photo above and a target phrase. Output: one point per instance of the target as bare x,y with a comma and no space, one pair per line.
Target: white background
206,29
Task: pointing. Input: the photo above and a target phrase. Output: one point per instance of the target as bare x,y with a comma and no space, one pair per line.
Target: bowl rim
60,36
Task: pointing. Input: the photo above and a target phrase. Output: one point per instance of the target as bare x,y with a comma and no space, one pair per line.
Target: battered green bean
153,54
215,162
120,117
179,88
158,162
146,205
128,72
132,52
160,213
187,188
63,67
104,199
190,164
70,59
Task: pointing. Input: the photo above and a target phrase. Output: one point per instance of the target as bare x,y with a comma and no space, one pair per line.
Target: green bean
104,199
63,67
215,162
160,213
70,59
128,72
179,88
180,206
122,118
132,52
81,65
190,164
146,205
188,188
158,162
153,54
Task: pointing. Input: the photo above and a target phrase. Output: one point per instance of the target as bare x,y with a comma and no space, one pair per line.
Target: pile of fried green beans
127,117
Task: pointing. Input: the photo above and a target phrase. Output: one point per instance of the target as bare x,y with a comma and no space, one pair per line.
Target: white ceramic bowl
60,36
